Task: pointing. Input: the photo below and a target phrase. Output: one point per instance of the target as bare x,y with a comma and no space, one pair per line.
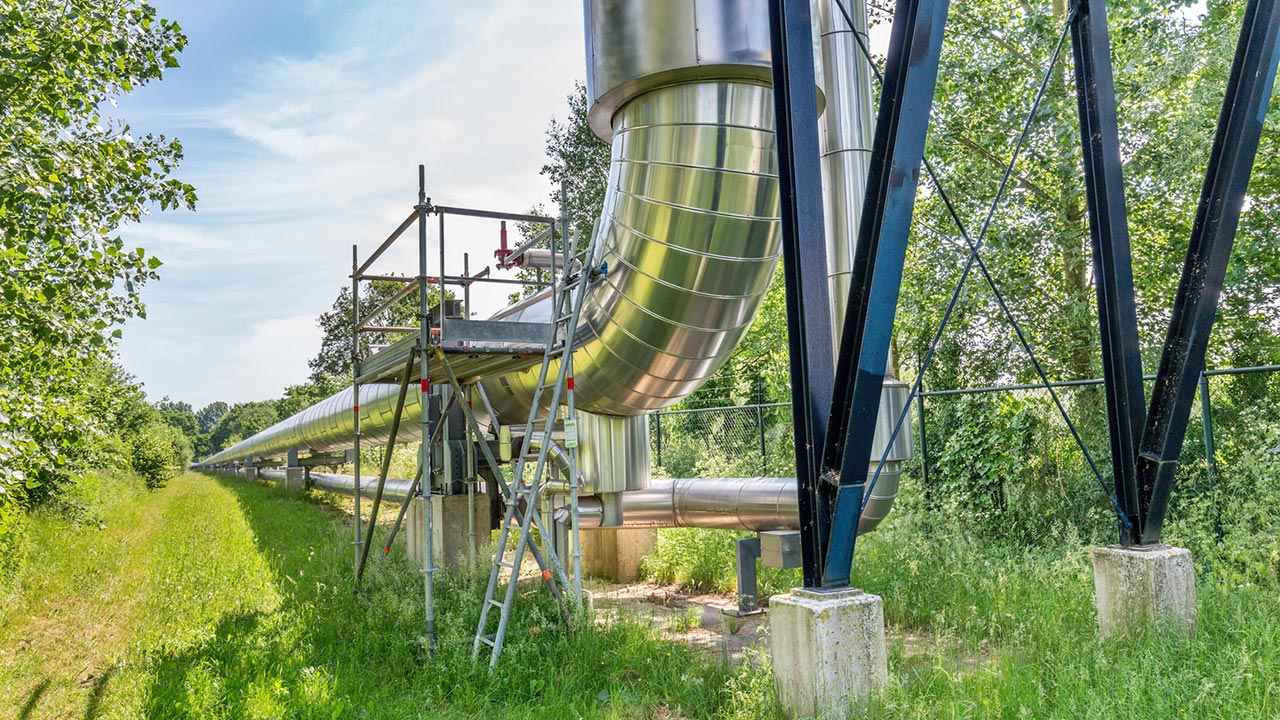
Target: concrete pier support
1144,584
451,542
295,479
616,554
828,650
251,474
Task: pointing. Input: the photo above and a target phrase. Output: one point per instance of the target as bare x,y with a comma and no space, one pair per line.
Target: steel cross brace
1222,198
804,264
1109,238
902,124
835,410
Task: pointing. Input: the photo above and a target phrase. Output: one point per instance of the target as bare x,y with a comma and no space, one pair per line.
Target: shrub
158,452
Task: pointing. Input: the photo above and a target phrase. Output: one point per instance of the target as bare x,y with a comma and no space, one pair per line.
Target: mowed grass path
223,599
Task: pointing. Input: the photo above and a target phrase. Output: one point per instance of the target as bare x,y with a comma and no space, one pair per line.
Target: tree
577,166
210,414
241,421
178,414
332,364
300,397
69,178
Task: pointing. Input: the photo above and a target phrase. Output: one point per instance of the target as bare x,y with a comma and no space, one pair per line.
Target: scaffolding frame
453,353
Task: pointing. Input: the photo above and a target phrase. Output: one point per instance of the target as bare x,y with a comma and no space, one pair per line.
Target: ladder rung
494,603
506,565
487,640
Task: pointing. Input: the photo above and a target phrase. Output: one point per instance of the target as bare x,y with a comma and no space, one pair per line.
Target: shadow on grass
328,652
34,699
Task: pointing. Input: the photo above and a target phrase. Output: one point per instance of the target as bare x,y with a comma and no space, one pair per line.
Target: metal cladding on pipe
395,489
845,142
755,504
330,425
689,231
689,234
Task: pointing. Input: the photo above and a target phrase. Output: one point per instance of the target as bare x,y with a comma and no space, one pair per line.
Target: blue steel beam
1109,238
1221,201
902,123
804,263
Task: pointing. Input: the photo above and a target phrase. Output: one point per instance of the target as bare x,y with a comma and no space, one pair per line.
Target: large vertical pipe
848,122
844,142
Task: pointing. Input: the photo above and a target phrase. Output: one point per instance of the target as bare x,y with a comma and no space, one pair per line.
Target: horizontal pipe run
755,504
525,247
396,488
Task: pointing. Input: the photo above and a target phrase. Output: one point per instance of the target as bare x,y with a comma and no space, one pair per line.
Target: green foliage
159,452
69,178
209,415
333,362
241,421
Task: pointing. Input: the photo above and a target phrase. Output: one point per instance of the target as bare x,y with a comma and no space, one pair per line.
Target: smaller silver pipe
756,504
395,489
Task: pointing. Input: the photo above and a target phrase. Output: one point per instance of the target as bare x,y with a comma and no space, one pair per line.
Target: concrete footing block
295,479
616,554
251,474
828,650
1144,584
450,533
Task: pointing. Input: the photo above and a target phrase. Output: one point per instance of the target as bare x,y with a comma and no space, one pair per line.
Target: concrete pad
251,474
1144,584
450,535
295,479
828,650
615,554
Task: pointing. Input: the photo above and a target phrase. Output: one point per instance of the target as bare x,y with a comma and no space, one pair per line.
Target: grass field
216,598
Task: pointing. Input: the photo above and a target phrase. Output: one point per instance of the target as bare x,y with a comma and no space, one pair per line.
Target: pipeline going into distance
690,232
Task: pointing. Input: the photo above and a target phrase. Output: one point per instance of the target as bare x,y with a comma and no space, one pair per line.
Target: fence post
1210,453
657,421
764,457
924,455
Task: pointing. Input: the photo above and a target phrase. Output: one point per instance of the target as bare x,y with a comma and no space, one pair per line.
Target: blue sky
303,122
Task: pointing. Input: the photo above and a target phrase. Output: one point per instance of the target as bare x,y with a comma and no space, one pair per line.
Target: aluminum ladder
567,304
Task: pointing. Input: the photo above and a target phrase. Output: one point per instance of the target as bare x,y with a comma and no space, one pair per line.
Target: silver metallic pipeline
689,233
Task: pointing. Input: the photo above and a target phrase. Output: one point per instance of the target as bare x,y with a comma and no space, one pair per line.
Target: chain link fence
1003,461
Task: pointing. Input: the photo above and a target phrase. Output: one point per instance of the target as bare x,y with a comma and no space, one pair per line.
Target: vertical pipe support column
1109,239
355,396
424,453
1226,181
911,74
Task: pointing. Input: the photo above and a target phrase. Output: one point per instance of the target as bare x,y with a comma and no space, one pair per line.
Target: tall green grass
217,598
990,631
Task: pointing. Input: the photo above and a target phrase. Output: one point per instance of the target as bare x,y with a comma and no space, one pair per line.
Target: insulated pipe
844,142
395,489
689,234
755,504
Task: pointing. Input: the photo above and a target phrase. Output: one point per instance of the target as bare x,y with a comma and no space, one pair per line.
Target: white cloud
315,153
